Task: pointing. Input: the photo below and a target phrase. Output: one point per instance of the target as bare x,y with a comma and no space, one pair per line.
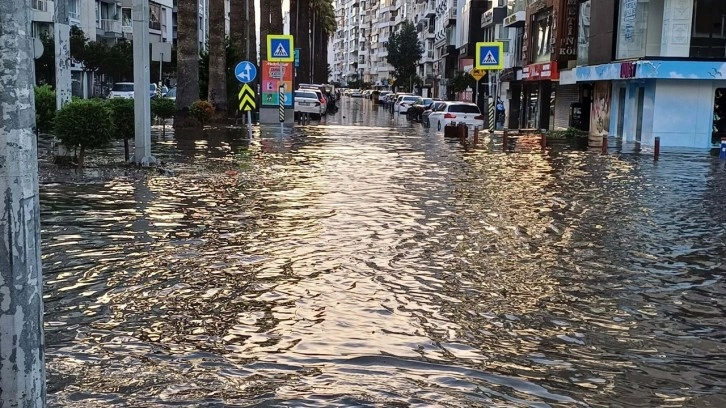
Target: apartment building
110,21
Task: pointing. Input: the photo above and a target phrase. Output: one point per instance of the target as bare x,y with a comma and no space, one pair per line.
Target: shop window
708,30
542,37
719,116
583,34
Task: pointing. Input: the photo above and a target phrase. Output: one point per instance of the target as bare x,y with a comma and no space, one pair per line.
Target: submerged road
368,262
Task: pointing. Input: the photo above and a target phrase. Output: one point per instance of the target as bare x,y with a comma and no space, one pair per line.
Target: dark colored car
437,105
415,112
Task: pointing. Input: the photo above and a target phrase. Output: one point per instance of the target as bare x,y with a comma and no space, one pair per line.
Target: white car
306,101
455,113
404,102
321,98
382,96
122,90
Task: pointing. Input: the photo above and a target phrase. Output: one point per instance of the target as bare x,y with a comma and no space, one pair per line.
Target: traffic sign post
282,105
247,104
246,72
297,57
280,48
477,74
490,57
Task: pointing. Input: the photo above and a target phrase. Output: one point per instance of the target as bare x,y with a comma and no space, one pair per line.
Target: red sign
541,72
627,70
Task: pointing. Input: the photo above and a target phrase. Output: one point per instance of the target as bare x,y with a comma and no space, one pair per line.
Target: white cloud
694,76
722,70
674,74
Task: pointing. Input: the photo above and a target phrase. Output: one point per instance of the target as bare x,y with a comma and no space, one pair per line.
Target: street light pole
22,367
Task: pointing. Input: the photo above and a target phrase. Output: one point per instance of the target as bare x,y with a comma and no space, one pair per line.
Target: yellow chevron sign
246,98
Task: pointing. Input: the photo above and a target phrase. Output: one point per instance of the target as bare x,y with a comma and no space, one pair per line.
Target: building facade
110,21
667,77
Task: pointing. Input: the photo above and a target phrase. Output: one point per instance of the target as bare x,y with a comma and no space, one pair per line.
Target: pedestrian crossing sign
280,48
489,55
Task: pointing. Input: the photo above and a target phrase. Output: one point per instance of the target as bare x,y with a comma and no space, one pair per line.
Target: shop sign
487,18
513,19
541,72
568,42
627,70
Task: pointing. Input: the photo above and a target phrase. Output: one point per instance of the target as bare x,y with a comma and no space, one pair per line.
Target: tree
83,124
122,116
187,58
458,83
217,57
95,56
404,52
264,26
44,108
238,32
163,108
324,25
119,62
300,28
78,43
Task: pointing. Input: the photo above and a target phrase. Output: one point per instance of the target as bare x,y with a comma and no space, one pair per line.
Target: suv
456,112
306,101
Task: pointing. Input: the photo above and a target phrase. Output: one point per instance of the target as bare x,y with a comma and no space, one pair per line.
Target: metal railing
74,15
109,25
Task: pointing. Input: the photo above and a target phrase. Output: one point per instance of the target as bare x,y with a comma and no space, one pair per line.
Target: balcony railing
109,25
40,5
74,15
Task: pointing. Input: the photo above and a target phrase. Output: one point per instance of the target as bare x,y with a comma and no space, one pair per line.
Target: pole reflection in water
375,265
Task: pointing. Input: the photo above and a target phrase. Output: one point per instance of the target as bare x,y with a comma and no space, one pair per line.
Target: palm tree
276,26
324,24
238,25
264,26
187,58
217,57
300,29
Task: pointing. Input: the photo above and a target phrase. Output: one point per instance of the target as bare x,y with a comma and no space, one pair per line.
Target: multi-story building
110,21
667,77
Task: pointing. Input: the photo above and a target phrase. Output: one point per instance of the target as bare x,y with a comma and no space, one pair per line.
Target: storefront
682,102
539,95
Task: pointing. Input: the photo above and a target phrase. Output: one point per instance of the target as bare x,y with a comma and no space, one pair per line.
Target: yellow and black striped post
282,103
491,115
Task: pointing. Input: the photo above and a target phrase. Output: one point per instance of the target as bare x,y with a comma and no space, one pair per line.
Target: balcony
108,28
42,11
451,17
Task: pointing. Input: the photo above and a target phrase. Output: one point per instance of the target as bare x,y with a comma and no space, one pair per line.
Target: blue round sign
245,72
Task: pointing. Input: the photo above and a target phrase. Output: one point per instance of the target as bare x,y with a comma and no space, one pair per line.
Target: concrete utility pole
142,81
62,38
22,366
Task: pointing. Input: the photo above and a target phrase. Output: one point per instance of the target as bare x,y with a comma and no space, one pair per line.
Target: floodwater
370,263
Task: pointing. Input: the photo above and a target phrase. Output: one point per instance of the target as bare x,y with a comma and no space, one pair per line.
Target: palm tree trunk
302,40
238,25
217,58
276,25
187,59
264,26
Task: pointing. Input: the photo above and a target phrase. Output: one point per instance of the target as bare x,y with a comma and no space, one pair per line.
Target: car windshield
428,101
310,95
464,108
439,107
172,92
152,88
123,87
409,98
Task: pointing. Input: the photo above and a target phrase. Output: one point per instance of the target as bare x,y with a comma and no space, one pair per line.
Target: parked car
436,106
122,90
171,94
404,102
321,98
457,112
415,112
356,93
306,101
382,96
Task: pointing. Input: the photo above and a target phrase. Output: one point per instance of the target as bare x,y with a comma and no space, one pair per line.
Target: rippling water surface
369,263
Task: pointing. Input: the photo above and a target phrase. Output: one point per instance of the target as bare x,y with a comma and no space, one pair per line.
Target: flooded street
369,262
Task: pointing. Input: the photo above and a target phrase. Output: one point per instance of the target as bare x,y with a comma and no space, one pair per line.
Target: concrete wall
602,30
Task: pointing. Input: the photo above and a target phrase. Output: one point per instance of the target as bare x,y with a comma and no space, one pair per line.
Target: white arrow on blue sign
245,72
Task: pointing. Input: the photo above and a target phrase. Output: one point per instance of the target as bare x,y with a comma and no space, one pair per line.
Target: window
464,109
542,37
632,29
708,31
583,35
126,17
154,16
